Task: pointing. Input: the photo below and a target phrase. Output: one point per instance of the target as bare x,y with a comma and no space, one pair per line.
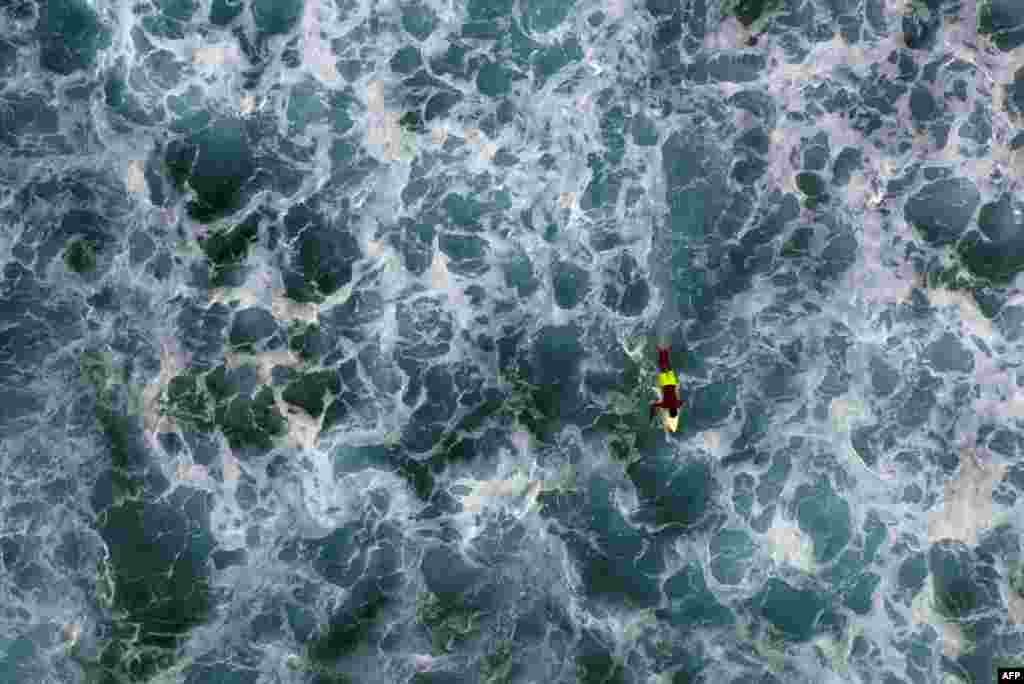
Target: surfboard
668,422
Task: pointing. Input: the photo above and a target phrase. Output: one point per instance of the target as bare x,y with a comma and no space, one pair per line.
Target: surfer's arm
655,405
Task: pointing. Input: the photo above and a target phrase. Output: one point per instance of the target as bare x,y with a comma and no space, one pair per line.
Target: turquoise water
328,328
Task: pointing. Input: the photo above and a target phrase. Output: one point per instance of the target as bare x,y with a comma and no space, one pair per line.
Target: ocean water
327,335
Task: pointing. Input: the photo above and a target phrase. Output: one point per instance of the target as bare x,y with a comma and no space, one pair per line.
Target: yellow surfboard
668,422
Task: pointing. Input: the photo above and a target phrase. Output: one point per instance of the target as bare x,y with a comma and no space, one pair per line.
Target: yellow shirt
667,378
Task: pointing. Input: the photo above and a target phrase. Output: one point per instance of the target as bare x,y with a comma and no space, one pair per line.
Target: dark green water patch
251,422
227,248
813,186
825,516
993,263
644,131
215,163
671,495
614,562
224,383
323,255
963,587
519,274
223,12
274,17
597,664
158,565
691,603
732,555
446,620
312,391
749,11
922,21
80,256
860,596
549,60
771,483
187,401
1017,578
570,284
156,573
226,400
793,612
418,19
70,36
116,405
307,340
1003,20
994,253
942,210
347,629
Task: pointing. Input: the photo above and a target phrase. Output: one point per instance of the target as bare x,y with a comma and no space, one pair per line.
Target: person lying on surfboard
668,384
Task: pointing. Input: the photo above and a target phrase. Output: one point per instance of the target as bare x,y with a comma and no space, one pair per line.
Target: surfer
668,384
